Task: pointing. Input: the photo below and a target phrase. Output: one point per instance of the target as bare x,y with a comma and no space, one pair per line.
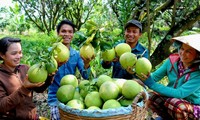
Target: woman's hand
143,77
27,84
139,82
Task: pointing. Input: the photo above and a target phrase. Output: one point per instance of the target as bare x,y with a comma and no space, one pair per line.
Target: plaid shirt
173,108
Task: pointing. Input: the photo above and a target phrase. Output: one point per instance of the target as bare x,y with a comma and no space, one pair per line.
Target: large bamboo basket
137,113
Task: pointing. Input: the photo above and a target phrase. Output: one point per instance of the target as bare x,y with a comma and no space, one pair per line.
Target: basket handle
144,96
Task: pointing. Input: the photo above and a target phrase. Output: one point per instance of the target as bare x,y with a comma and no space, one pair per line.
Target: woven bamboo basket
138,113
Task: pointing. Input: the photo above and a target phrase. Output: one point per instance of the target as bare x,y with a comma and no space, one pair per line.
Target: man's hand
116,59
61,63
87,61
130,70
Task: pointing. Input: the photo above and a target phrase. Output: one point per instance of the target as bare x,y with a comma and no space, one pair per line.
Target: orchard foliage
161,20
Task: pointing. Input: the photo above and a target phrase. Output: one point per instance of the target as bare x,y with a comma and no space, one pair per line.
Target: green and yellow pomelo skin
37,73
122,48
127,59
69,80
112,103
143,65
60,52
93,99
76,103
108,55
103,78
108,90
65,93
87,51
52,65
130,89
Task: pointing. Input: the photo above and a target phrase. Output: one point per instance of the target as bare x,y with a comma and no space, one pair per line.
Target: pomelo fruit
127,59
143,65
119,82
60,52
112,103
103,78
122,48
77,95
51,65
130,89
69,80
76,103
93,108
125,102
37,73
93,99
65,93
83,84
108,90
108,55
87,51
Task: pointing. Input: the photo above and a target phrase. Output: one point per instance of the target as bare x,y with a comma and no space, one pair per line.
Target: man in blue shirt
133,31
66,30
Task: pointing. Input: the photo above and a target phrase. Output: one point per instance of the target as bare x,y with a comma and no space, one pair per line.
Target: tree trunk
162,51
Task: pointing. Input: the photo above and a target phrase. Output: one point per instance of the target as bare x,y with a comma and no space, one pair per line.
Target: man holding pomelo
66,30
133,31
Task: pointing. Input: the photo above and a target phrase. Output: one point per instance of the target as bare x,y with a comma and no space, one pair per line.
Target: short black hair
5,42
66,21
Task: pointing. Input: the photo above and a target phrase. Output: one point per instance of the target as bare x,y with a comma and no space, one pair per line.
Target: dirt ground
40,99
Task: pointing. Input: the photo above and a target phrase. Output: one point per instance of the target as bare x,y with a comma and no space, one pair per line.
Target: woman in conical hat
180,98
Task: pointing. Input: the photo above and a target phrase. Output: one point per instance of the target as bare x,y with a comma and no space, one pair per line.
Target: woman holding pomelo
16,91
180,98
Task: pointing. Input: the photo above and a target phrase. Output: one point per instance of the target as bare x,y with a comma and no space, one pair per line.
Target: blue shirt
118,71
75,61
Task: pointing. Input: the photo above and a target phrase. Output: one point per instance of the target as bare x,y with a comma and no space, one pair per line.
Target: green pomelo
120,82
52,65
112,103
83,92
125,102
37,73
60,52
69,80
65,93
108,55
83,84
87,51
130,89
143,65
75,103
127,59
93,99
94,108
109,90
103,78
122,48
77,96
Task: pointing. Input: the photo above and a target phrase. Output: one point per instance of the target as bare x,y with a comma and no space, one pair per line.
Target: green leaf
105,45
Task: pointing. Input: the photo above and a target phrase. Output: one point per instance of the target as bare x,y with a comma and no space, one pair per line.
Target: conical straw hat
191,40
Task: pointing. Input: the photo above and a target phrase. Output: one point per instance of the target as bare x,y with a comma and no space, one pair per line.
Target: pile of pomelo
101,93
